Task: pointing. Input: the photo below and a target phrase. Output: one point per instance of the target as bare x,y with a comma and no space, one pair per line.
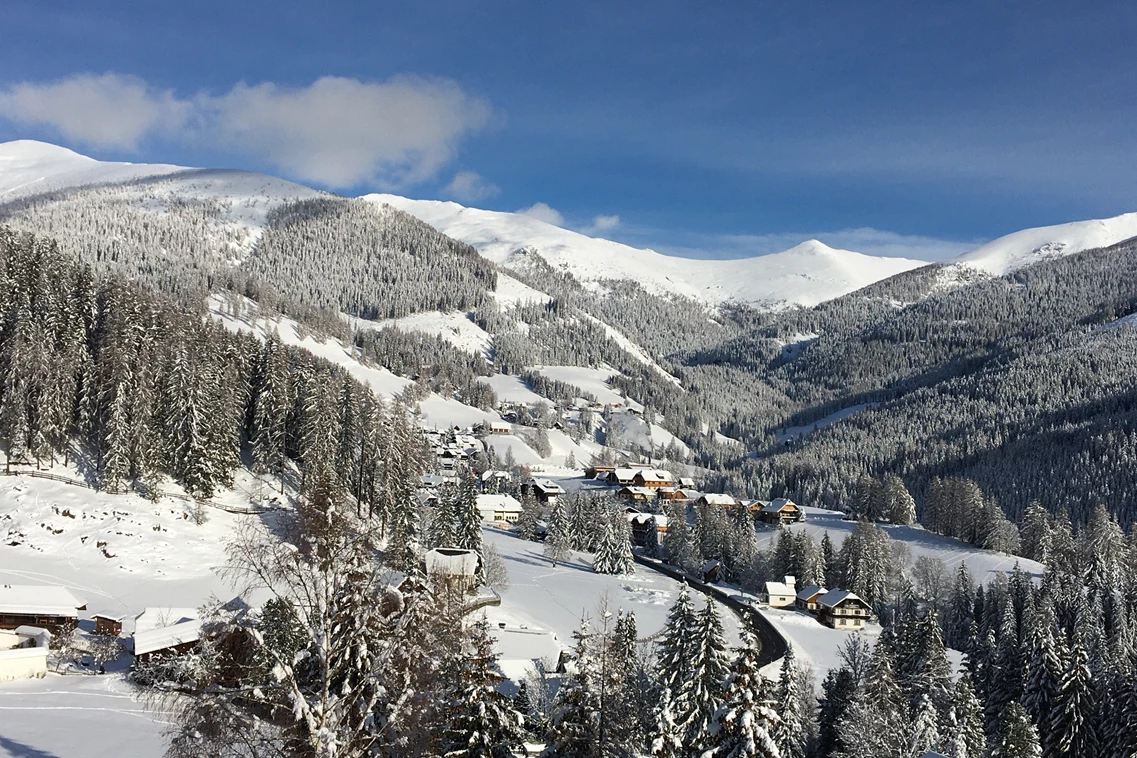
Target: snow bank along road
772,645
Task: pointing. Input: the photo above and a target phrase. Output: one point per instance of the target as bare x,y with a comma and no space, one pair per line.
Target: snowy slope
807,274
30,167
1020,249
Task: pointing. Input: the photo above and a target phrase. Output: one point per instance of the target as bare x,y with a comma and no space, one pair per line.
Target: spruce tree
574,723
747,721
790,732
1071,729
1017,736
966,735
558,542
702,693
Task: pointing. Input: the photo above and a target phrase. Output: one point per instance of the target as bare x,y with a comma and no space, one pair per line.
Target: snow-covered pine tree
667,740
899,507
1017,736
1044,677
1035,533
575,718
790,732
924,732
678,544
614,553
746,722
444,525
483,722
558,541
965,737
469,518
675,651
526,527
701,695
1072,729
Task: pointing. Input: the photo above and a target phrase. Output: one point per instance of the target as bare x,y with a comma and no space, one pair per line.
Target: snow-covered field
543,597
983,564
456,328
592,380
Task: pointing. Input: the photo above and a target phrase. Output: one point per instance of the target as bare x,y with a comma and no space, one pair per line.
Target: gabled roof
167,637
506,503
624,474
646,492
548,486
776,505
654,475
811,592
713,498
39,599
780,588
160,618
454,561
833,598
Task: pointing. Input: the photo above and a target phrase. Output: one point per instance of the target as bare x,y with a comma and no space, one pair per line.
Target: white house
453,566
23,653
499,508
781,594
521,648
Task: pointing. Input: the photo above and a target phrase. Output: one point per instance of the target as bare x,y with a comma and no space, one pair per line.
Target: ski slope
807,274
1028,246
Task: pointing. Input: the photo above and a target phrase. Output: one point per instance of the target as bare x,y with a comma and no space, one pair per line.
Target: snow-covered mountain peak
806,274
33,151
1014,251
28,167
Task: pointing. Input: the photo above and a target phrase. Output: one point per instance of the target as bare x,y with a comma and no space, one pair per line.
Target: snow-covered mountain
1020,249
29,167
807,274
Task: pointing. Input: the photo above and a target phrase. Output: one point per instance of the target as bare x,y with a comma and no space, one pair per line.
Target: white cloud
108,111
337,131
601,224
543,212
469,187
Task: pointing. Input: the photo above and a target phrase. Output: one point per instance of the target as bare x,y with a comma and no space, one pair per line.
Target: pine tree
965,725
1017,736
614,553
526,527
747,721
1036,534
925,730
1071,730
675,651
899,507
558,545
484,724
469,518
667,741
702,693
790,733
574,724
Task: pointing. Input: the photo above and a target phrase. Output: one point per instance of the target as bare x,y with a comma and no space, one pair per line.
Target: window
841,622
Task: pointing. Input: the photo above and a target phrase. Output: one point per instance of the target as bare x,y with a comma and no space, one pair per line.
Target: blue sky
713,129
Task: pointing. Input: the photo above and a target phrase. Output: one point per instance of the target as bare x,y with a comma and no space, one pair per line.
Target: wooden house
715,499
642,524
165,632
807,598
652,478
598,472
545,490
780,511
109,626
49,606
636,494
622,477
841,609
453,567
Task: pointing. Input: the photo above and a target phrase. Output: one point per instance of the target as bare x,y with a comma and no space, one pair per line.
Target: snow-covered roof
833,598
453,561
166,637
644,518
654,475
489,474
776,505
645,491
686,481
780,588
625,474
518,644
712,498
38,599
548,486
498,503
159,618
809,592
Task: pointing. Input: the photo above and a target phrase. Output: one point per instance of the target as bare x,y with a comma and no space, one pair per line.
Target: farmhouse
723,501
842,609
499,509
653,478
807,598
50,606
622,477
162,632
453,567
497,427
781,594
545,490
642,524
110,626
635,494
780,511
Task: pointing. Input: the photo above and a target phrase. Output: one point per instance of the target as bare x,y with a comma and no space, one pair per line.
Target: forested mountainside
1023,382
98,368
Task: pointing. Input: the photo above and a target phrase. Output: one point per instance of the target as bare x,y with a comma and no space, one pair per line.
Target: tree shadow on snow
18,749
